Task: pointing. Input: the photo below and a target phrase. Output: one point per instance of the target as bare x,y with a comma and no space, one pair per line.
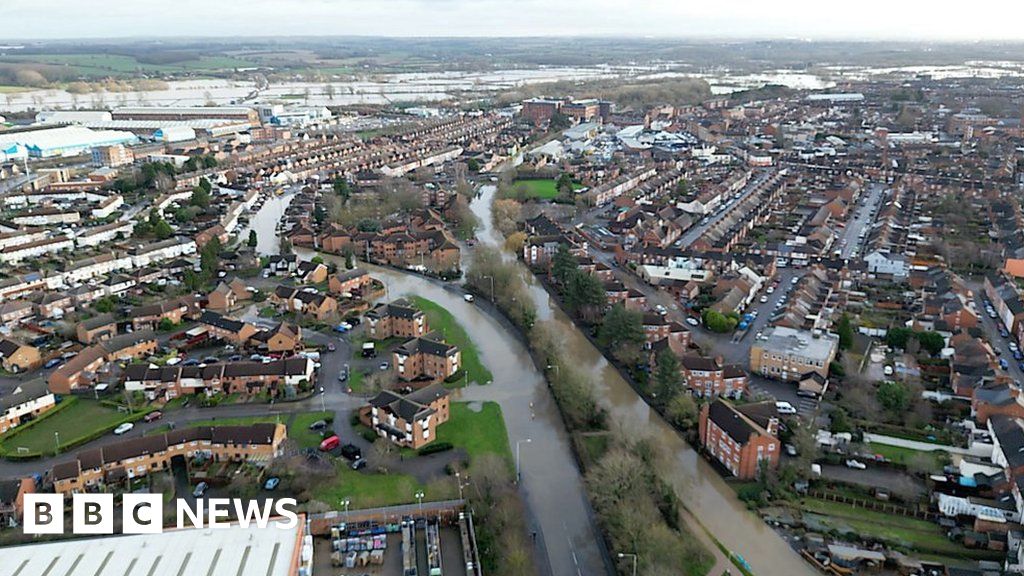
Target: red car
153,416
330,443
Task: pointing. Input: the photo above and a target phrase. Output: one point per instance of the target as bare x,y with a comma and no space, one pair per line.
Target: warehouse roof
272,551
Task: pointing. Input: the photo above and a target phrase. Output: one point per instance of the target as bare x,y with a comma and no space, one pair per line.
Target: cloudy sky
814,19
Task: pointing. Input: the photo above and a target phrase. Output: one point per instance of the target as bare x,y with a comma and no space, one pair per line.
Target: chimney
719,360
773,426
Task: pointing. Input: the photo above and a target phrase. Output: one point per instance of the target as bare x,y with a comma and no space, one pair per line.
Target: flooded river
704,492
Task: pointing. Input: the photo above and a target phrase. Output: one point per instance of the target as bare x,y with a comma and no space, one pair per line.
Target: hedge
435,448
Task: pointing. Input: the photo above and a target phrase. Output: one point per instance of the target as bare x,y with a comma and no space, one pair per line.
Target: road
863,217
992,327
691,235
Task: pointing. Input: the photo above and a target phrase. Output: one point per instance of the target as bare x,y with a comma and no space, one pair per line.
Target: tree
342,188
329,91
623,332
209,259
584,293
166,325
666,376
163,230
932,342
350,261
473,165
319,214
845,331
200,197
894,397
368,225
253,239
562,263
559,121
718,322
514,242
105,305
682,411
564,185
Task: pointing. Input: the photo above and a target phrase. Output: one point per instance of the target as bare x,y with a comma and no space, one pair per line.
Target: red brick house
710,377
741,439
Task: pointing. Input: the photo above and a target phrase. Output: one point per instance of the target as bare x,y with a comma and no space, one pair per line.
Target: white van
785,408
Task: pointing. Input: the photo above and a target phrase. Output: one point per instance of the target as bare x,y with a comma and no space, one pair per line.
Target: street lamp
56,442
458,479
323,404
518,443
632,556
556,368
345,503
419,499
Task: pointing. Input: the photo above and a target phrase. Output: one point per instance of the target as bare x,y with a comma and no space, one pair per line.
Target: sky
810,19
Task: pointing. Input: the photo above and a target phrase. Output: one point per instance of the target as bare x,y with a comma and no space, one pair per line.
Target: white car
692,321
887,370
764,299
770,289
785,408
123,428
468,297
856,465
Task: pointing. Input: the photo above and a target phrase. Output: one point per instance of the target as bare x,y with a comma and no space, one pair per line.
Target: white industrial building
63,141
275,550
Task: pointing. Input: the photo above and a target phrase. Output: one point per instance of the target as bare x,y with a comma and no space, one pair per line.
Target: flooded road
551,481
265,222
700,487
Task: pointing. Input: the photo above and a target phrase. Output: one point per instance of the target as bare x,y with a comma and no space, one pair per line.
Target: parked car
201,489
351,452
153,416
330,443
1004,364
887,370
468,297
123,428
763,299
384,365
856,464
53,363
692,321
785,407
359,464
331,347
318,425
271,483
791,450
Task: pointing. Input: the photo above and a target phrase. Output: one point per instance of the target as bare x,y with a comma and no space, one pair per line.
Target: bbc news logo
144,513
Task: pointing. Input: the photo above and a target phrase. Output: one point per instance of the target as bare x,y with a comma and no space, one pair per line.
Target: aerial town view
467,288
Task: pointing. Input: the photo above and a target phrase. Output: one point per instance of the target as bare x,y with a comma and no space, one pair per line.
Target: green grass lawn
898,530
299,430
81,418
477,433
443,322
355,380
902,455
298,425
367,490
540,188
